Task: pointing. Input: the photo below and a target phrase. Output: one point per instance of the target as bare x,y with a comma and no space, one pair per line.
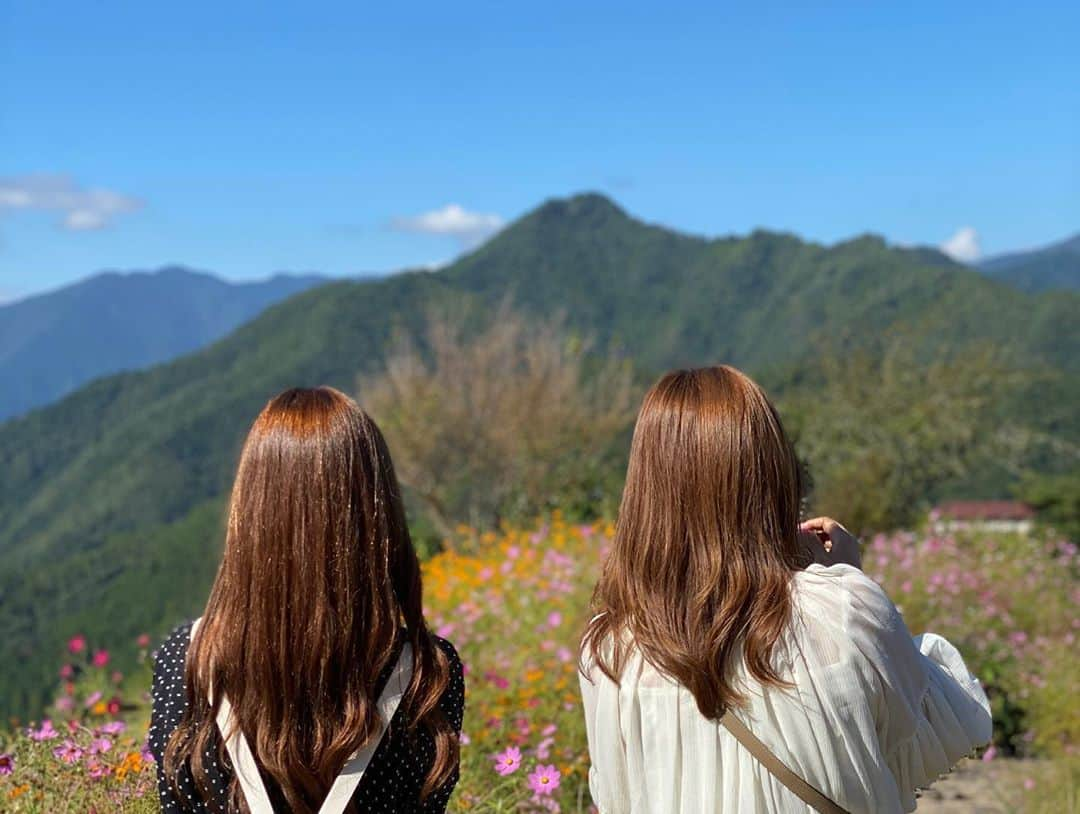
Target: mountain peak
585,206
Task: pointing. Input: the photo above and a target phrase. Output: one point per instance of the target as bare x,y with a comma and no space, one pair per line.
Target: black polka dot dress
391,783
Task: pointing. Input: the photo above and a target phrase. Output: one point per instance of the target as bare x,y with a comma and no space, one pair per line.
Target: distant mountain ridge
1054,267
111,499
52,343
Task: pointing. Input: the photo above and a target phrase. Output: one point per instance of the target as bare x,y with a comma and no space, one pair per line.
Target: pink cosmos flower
1029,784
554,619
113,727
543,749
97,770
92,699
7,764
146,754
64,703
99,746
507,762
67,671
45,733
76,644
143,640
68,752
464,740
544,780
101,658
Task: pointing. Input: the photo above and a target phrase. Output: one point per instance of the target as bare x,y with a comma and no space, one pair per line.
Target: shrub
502,423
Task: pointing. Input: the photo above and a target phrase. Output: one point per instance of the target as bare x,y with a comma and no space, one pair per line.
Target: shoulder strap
799,787
345,785
341,792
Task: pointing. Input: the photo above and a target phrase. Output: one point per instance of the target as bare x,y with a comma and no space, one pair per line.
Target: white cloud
963,246
80,209
468,228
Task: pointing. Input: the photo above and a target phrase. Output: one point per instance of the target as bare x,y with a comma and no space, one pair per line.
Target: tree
1056,499
504,422
881,434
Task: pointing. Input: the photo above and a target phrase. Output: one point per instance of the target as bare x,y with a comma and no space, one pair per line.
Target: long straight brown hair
706,539
318,578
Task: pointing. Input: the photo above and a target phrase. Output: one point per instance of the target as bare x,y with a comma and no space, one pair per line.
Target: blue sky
246,138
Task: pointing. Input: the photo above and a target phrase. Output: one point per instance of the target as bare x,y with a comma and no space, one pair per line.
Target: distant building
982,515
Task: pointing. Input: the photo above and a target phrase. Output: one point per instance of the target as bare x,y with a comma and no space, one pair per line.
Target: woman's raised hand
829,543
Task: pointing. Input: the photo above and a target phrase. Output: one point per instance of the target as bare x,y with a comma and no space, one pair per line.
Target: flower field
514,604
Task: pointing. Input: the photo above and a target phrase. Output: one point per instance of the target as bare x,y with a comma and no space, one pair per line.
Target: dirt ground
975,787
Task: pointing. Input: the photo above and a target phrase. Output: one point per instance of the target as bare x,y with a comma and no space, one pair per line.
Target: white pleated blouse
873,715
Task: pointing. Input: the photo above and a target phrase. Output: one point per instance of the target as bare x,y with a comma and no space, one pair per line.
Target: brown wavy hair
706,540
318,578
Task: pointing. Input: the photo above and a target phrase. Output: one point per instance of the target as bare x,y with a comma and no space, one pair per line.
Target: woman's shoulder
841,586
452,701
172,652
845,613
448,650
457,669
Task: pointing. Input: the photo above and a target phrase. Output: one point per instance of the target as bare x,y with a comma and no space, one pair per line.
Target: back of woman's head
706,539
317,580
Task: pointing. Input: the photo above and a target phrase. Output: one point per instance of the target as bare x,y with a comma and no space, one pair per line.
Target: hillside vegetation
111,500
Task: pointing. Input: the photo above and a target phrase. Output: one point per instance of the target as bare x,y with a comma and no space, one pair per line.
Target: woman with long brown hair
740,661
311,681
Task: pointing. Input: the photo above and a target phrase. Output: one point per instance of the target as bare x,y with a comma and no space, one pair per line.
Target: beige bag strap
799,787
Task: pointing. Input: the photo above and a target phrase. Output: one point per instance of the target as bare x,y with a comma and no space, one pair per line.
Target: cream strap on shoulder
247,770
777,768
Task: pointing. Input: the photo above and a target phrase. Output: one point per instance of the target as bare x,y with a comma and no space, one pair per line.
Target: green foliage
133,467
1056,498
882,434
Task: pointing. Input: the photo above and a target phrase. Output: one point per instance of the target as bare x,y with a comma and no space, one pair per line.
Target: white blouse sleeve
609,781
929,711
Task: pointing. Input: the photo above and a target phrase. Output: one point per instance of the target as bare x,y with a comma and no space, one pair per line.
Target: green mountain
1054,267
111,499
52,343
